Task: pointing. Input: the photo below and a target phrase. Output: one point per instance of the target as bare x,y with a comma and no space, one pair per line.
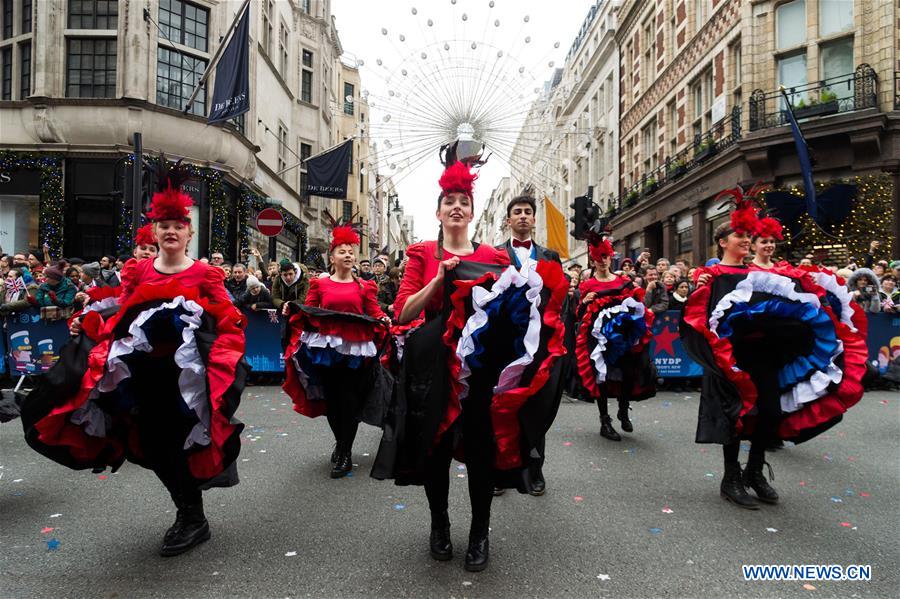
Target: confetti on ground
47,529
827,457
849,492
52,545
262,451
602,576
884,402
709,475
55,515
809,587
290,554
18,480
846,524
655,531
567,444
578,498
771,530
215,573
102,477
802,483
399,506
350,474
837,500
864,494
668,510
666,404
467,583
245,460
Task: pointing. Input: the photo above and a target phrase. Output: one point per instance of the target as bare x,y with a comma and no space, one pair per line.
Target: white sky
360,23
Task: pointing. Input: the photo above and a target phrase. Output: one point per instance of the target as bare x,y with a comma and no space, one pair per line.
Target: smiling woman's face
173,236
455,210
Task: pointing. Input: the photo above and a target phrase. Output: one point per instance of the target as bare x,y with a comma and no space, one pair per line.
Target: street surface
639,518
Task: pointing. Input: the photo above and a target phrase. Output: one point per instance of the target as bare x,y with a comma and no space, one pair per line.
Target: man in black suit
520,218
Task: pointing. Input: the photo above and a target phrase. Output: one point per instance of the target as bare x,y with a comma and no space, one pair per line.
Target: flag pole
215,59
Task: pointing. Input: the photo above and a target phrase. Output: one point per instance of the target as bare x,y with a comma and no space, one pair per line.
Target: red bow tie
521,244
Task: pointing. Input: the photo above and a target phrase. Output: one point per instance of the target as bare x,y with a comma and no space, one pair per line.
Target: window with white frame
790,24
701,13
282,148
837,62
268,28
648,62
672,127
283,45
306,76
650,146
702,99
835,16
736,62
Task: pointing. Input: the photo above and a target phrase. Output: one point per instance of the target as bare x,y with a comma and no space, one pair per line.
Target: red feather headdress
144,236
745,217
342,233
598,249
169,202
457,178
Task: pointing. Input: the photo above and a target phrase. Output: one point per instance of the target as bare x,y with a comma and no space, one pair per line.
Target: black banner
327,173
231,96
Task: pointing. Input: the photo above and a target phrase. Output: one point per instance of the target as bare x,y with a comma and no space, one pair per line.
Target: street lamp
396,199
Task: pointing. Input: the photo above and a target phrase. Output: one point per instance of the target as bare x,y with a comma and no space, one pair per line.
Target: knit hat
252,282
286,264
53,272
91,269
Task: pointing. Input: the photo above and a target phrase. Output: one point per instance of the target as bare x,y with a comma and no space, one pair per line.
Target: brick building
701,111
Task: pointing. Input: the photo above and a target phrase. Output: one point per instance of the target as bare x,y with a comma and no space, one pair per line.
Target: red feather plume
144,236
769,227
457,178
344,234
598,250
745,219
169,202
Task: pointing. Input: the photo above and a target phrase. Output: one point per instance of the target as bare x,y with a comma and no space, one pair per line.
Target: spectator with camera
256,297
863,286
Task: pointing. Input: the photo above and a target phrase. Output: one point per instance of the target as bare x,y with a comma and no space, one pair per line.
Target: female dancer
763,243
463,397
332,349
779,362
615,361
157,383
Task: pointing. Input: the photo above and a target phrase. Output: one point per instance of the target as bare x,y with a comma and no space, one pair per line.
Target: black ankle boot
342,466
439,544
732,488
538,484
477,554
606,429
191,528
756,480
626,422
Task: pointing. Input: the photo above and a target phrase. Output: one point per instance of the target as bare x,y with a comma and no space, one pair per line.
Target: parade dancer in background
524,251
469,369
783,351
333,346
157,381
612,346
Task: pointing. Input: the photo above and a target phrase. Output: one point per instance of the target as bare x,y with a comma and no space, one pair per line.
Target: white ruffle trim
99,306
191,380
829,283
365,349
511,375
629,304
760,282
817,385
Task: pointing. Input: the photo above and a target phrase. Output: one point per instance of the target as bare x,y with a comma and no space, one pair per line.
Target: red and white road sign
269,222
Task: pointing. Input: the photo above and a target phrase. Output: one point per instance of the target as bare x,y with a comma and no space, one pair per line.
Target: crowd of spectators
32,279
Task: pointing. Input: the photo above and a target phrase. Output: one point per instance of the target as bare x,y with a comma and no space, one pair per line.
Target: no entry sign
269,222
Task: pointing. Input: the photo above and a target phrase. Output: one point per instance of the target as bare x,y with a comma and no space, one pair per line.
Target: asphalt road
640,518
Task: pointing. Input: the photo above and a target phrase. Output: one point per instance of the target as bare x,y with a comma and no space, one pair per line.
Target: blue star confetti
53,545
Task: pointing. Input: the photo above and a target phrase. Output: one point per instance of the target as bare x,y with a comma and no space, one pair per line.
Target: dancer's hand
703,279
589,298
75,327
445,266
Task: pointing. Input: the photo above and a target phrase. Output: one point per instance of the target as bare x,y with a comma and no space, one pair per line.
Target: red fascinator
169,202
457,178
342,233
144,236
598,249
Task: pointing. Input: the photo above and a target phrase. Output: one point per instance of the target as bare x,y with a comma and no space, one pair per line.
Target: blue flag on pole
231,96
805,164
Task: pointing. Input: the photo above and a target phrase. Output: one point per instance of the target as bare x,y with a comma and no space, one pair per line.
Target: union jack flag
19,284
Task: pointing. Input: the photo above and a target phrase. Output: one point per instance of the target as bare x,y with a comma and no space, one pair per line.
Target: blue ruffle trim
514,305
825,341
623,331
326,357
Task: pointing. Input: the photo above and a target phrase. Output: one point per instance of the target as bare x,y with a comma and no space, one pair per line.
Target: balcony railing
705,146
846,93
896,90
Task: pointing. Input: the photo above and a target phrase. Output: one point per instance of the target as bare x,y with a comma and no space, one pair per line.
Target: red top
356,297
423,266
352,297
592,285
208,280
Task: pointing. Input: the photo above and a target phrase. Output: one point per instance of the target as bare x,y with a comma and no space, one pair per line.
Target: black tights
604,409
768,406
478,445
342,393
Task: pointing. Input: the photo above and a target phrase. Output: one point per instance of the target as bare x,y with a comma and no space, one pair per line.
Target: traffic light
581,216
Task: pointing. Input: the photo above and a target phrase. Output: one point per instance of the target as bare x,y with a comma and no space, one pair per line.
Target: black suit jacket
541,252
